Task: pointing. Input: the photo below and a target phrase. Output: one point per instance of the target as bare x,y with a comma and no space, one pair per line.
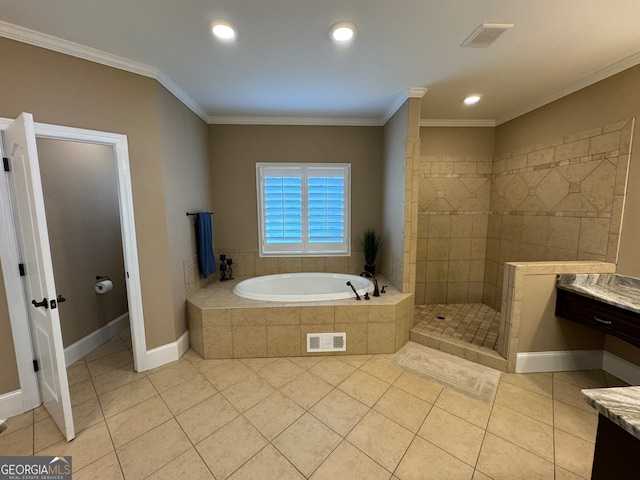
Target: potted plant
371,243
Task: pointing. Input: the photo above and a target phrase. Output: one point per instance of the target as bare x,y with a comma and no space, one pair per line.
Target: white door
40,290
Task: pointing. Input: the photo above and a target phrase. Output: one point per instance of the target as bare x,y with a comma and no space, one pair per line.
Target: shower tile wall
453,213
559,201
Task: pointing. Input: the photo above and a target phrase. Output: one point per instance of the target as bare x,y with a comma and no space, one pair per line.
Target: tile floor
336,417
475,323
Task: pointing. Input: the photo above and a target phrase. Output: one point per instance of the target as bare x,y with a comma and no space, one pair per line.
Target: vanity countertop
621,405
617,290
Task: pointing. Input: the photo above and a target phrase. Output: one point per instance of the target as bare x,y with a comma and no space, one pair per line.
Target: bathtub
302,287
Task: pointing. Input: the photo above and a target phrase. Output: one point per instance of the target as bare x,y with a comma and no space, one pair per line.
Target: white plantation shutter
303,209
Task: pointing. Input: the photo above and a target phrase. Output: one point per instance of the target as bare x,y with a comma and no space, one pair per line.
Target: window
303,208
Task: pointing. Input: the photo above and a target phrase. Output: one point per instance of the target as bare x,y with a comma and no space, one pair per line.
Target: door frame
9,254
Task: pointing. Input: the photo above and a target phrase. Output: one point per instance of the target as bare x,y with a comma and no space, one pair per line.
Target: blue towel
204,244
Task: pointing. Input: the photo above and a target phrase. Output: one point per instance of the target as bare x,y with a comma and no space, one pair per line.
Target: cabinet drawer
608,318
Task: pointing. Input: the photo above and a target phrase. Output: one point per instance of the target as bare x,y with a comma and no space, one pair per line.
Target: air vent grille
326,342
486,34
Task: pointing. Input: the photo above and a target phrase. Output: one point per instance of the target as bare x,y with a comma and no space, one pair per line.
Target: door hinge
5,164
36,367
21,269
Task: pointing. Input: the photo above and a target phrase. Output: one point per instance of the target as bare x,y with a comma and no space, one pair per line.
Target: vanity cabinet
613,320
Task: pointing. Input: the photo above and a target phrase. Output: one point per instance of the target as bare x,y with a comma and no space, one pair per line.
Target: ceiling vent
486,34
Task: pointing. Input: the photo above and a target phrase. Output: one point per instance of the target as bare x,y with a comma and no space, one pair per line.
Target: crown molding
413,92
325,121
56,44
457,123
596,77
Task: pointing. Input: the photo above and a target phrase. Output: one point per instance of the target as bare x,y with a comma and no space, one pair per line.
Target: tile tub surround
223,325
617,290
620,405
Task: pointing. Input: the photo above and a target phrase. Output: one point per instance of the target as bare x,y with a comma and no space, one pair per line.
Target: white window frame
305,248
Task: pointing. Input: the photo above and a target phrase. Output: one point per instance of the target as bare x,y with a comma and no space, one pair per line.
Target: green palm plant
371,243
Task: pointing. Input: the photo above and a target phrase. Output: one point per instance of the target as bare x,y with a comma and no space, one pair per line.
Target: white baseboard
560,361
156,357
87,344
11,404
568,360
616,366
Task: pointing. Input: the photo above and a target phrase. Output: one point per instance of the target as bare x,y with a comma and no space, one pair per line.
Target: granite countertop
621,405
617,290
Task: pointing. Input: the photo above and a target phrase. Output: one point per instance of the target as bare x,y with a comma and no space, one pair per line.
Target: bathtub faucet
354,290
376,292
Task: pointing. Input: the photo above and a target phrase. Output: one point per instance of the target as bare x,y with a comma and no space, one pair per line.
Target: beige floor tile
613,381
471,410
381,439
116,378
305,362
45,433
152,450
77,373
569,393
172,375
248,392
256,364
81,392
425,461
189,466
502,460
573,453
364,387
526,432
200,363
280,372
403,408
88,446
17,441
332,370
109,362
575,421
205,418
540,383
87,414
306,390
421,388
187,394
307,443
105,468
354,360
562,474
41,412
339,411
230,447
478,475
583,378
122,398
453,435
137,420
268,463
526,402
226,373
348,463
114,345
19,421
379,367
273,414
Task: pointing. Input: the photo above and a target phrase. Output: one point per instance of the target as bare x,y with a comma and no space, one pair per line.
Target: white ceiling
283,64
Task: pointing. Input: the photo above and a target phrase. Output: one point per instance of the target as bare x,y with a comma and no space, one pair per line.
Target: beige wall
187,188
80,191
454,191
235,149
63,90
393,187
9,380
611,100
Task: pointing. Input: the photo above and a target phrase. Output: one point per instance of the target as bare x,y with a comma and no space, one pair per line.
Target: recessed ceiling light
342,32
472,99
223,30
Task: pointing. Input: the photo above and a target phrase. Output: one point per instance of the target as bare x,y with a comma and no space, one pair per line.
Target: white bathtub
302,287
